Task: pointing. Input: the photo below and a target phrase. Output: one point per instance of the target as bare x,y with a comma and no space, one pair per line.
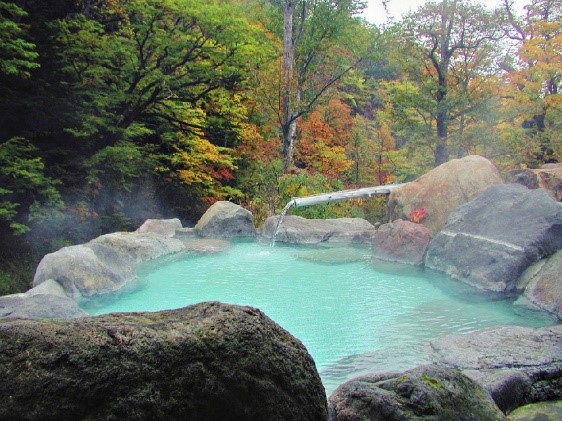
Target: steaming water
354,317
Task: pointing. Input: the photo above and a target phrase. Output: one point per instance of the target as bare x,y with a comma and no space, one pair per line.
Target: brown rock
443,189
549,178
402,242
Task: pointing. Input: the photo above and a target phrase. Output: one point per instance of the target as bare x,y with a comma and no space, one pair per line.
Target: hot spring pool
353,317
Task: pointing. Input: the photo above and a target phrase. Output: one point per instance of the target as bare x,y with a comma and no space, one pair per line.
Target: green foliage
302,184
159,93
27,192
120,165
17,55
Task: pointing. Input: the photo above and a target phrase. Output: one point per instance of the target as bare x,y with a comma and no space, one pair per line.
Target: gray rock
443,189
224,220
82,273
209,361
50,287
491,240
38,306
425,393
543,284
298,230
509,388
516,365
103,265
164,227
402,242
134,246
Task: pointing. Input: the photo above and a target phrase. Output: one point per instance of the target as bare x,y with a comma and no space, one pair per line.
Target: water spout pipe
338,196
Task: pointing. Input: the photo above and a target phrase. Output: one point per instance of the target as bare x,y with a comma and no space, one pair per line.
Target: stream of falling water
284,212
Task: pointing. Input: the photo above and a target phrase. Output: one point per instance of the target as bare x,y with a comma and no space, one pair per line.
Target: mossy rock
539,411
428,393
210,361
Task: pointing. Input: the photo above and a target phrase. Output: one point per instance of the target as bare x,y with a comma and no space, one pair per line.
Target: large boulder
491,240
516,365
209,361
224,220
549,178
299,230
425,393
543,284
443,189
82,273
103,265
402,242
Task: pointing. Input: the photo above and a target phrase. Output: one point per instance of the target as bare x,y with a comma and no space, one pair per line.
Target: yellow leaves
198,162
541,56
191,176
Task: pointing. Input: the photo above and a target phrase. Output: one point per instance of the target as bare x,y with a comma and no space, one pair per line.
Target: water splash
284,212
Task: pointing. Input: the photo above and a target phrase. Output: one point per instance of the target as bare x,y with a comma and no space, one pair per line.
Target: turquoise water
353,317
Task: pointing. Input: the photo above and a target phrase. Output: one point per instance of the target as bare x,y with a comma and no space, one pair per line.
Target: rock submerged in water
424,393
334,255
209,361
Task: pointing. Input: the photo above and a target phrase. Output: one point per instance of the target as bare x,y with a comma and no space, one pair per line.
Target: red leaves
417,215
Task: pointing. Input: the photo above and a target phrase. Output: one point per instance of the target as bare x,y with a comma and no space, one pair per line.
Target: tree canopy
114,111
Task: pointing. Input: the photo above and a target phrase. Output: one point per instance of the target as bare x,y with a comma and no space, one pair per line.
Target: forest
115,111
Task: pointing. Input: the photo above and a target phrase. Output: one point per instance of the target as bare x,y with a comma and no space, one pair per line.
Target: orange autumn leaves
322,139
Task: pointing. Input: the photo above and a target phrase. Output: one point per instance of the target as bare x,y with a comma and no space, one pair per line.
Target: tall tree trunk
289,131
288,121
441,150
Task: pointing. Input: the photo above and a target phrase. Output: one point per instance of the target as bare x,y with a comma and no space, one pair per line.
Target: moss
432,382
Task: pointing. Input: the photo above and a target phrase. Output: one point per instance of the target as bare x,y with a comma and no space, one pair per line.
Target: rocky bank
216,361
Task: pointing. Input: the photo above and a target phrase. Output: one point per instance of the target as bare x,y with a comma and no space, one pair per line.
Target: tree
155,88
445,33
323,139
17,55
25,192
535,81
312,58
